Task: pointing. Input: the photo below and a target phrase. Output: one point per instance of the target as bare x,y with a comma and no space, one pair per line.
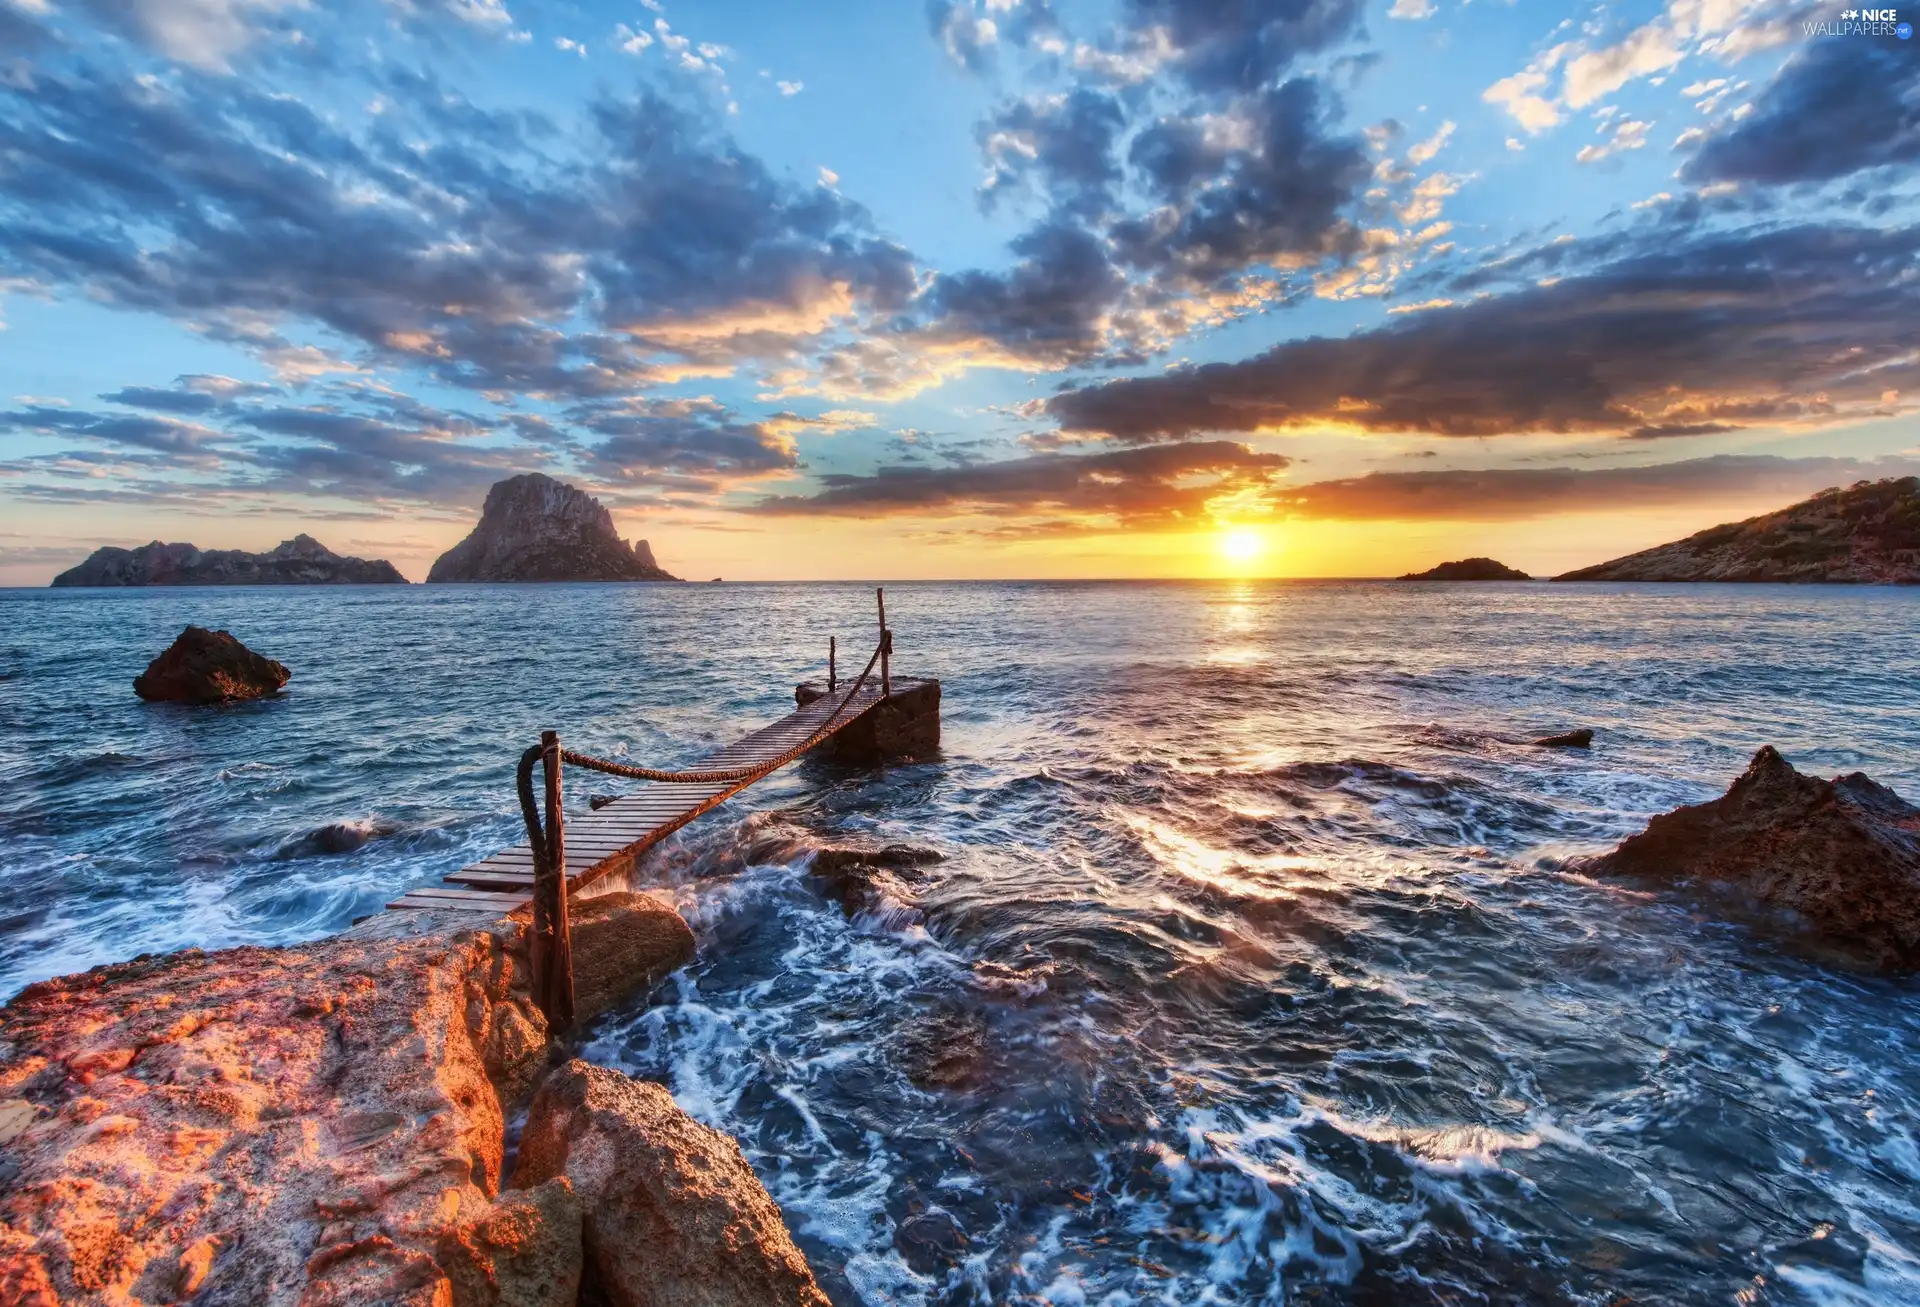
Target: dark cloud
1052,307
1837,107
1509,494
439,237
162,400
1138,487
1731,329
1270,194
1060,145
1242,45
161,435
698,441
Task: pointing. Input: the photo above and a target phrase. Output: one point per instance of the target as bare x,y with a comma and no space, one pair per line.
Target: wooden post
553,973
886,645
833,679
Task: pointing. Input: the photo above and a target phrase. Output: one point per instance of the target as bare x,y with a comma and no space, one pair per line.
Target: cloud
1628,134
1061,145
1159,486
1512,494
692,444
441,236
160,435
968,35
205,33
1414,9
1804,325
1221,46
1838,107
791,88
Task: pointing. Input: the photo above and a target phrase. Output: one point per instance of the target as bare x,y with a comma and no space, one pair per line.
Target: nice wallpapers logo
1861,22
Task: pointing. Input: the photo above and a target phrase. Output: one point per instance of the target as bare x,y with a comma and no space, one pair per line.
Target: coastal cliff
1864,534
534,528
299,561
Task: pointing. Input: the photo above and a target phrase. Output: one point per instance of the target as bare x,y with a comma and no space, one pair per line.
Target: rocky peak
534,528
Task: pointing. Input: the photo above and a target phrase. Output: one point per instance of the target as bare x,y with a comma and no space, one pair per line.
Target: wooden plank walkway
611,839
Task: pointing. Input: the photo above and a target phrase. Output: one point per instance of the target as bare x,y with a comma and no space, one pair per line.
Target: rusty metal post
886,645
833,677
554,971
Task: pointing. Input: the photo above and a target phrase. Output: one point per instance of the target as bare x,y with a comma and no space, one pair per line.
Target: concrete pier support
904,728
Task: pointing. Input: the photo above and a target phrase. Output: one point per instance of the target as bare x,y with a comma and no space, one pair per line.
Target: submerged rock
314,1125
534,528
862,879
203,666
1469,569
1580,739
674,1215
1844,853
623,944
299,561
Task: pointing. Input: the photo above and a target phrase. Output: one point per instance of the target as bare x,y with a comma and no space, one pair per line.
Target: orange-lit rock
313,1125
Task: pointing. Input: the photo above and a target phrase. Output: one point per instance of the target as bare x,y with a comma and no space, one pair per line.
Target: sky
971,288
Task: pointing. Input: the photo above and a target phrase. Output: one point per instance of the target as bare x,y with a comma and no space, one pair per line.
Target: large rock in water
320,1125
674,1215
203,666
1469,569
1844,853
534,528
1868,533
299,561
623,944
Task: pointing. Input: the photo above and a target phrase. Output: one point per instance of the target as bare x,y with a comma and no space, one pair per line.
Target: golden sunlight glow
1241,546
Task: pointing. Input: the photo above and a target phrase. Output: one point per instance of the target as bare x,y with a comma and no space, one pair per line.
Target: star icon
1850,13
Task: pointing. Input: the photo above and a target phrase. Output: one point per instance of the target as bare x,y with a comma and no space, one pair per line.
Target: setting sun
1241,545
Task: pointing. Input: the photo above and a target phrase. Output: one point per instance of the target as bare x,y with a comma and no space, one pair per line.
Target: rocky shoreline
328,1124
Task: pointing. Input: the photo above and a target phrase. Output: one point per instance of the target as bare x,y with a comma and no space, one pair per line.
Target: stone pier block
905,728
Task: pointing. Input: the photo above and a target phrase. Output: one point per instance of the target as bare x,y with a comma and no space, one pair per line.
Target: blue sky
980,287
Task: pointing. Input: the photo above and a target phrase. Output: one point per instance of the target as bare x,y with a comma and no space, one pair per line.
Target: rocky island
534,528
299,561
1469,569
1865,534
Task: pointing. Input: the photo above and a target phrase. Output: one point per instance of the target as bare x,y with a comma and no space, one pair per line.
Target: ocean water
1251,972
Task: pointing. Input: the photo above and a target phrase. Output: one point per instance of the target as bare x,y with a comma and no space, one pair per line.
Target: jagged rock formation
203,666
534,528
674,1215
1468,569
1865,534
299,561
1844,853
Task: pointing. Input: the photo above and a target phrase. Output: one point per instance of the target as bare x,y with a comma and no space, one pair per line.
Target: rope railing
550,946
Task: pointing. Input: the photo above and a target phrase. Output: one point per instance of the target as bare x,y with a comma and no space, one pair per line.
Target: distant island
1865,534
534,528
1469,569
299,561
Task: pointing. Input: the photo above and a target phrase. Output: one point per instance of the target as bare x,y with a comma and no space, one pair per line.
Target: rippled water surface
1249,974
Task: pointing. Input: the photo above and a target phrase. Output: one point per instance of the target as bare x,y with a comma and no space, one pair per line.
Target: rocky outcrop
674,1215
1844,854
1865,534
203,666
534,528
623,944
1469,569
315,1125
1580,739
299,561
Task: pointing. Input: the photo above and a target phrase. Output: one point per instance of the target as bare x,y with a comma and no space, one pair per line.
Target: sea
1253,968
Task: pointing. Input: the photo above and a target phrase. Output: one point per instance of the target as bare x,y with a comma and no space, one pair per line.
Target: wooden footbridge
562,857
